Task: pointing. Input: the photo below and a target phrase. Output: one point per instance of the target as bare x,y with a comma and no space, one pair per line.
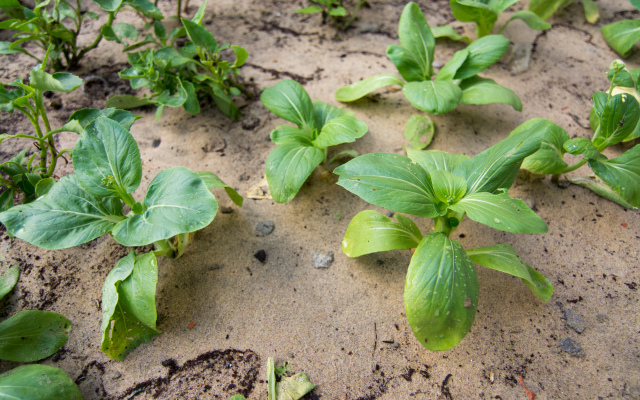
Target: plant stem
163,248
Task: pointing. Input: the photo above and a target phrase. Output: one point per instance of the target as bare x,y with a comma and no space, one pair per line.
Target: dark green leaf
200,36
622,35
192,105
344,129
416,37
6,199
173,100
419,131
483,53
432,160
477,90
435,97
288,166
619,118
581,145
38,382
211,180
32,335
371,232
288,100
406,63
145,7
8,279
621,173
362,88
109,5
80,119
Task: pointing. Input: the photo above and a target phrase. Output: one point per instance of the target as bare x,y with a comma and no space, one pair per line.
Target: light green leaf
308,10
172,100
549,159
211,180
107,159
445,31
200,36
177,201
338,12
293,387
448,71
44,185
344,129
37,382
390,181
477,90
8,279
530,18
324,112
432,160
191,104
546,8
288,100
601,189
419,131
241,55
621,173
441,293
58,82
343,154
580,145
32,335
483,53
290,134
500,6
619,119
128,305
500,212
66,217
362,88
435,97
288,167
448,188
146,8
109,5
475,11
504,258
416,37
371,232
406,63
128,101
622,35
80,119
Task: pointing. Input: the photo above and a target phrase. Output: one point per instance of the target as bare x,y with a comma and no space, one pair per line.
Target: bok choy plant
441,291
546,8
455,83
335,11
85,205
621,36
301,149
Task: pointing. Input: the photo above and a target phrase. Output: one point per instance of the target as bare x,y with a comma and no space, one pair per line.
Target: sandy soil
345,325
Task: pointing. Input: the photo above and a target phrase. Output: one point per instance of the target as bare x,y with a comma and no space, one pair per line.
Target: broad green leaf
173,100
581,145
344,129
177,201
159,30
406,63
284,134
390,181
308,10
498,166
107,159
441,292
635,4
419,131
435,97
288,100
601,189
80,119
619,118
128,305
191,105
448,71
211,180
8,279
324,112
32,335
621,173
622,35
146,8
504,258
362,88
546,8
6,199
241,55
432,160
600,99
483,53
448,188
58,82
288,167
475,11
293,387
416,37
530,18
109,5
128,101
37,382
127,31
477,90
200,36
500,212
445,31
44,186
66,217
371,232
549,159
224,103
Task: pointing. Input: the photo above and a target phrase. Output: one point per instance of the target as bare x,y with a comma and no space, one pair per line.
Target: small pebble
370,28
214,267
572,347
250,122
156,142
261,256
226,210
265,227
322,260
574,320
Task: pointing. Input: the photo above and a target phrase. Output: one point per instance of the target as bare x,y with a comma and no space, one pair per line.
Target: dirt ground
345,325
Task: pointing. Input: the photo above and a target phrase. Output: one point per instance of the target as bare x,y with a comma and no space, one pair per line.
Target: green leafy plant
335,11
614,118
484,13
441,291
546,8
31,336
85,205
284,386
456,82
47,25
180,77
301,149
621,36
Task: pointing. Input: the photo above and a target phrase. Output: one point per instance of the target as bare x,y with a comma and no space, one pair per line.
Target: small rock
156,143
116,375
519,58
574,320
322,260
572,347
370,28
56,357
265,227
250,122
602,318
226,210
244,177
169,363
261,256
214,267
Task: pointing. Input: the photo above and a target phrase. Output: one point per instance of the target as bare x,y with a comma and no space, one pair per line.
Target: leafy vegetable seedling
623,35
89,203
441,291
301,149
485,14
615,118
335,11
456,82
546,8
180,77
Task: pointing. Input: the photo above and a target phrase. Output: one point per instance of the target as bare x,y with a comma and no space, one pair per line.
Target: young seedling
546,8
484,13
614,118
180,77
301,149
48,27
621,36
456,82
441,291
31,336
335,11
89,203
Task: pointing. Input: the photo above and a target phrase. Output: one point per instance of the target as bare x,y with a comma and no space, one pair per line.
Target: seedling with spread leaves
484,13
180,77
301,149
85,205
546,8
48,27
614,118
441,292
456,82
623,35
335,11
